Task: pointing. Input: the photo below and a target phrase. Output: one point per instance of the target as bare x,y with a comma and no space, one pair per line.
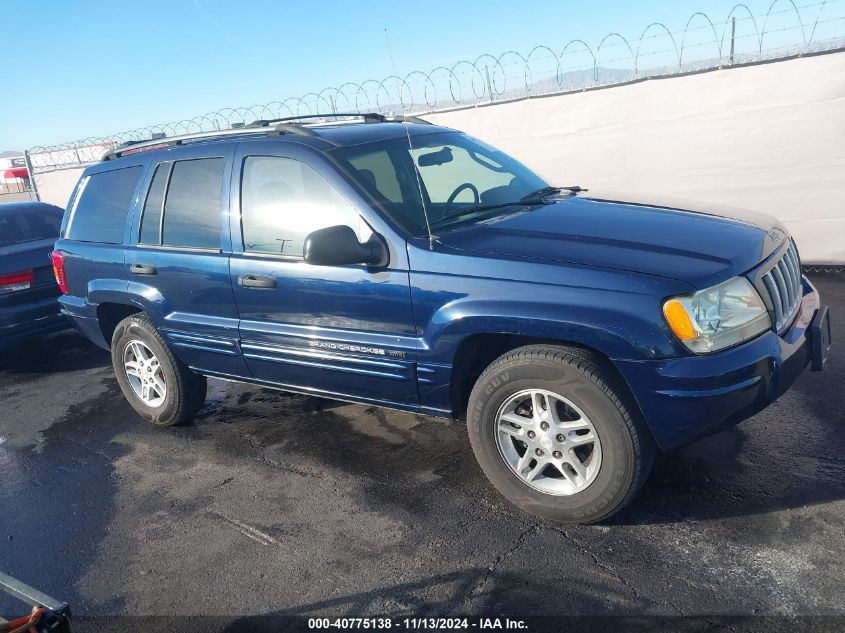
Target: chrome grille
783,283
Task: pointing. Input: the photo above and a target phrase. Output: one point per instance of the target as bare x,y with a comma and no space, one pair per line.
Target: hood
701,246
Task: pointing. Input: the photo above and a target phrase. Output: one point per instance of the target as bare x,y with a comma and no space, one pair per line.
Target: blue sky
79,69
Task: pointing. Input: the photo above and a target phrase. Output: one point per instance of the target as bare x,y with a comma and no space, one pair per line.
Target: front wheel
160,387
555,434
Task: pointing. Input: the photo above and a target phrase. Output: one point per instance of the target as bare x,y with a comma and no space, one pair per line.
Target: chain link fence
786,28
831,269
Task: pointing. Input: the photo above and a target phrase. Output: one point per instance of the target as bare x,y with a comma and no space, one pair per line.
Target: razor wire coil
786,28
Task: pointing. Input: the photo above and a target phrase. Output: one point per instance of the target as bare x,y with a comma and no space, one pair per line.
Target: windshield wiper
537,197
533,198
472,210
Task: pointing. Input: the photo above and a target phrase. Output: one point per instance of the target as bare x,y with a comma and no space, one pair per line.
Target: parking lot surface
273,503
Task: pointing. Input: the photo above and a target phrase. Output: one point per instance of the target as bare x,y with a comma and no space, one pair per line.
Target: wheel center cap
545,442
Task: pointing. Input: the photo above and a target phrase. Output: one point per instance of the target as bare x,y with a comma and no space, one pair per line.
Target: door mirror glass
339,246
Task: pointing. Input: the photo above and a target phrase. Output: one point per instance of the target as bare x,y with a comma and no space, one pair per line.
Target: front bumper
684,399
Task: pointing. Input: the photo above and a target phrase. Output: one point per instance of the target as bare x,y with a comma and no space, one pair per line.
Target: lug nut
539,452
545,426
557,454
531,434
560,437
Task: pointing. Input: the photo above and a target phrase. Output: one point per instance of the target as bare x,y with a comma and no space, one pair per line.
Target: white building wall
769,138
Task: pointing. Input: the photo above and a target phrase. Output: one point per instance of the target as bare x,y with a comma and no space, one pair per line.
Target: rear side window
151,219
28,225
192,204
101,205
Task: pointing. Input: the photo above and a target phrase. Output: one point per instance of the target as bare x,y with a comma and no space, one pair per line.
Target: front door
346,331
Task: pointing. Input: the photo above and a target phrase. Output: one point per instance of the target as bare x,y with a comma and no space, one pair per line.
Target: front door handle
143,269
256,281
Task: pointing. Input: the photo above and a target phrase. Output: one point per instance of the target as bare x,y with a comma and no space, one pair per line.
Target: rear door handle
143,269
256,281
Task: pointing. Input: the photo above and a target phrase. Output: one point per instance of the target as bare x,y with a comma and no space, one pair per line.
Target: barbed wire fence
787,28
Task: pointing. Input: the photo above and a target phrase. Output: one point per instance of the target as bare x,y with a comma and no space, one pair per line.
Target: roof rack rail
136,147
368,117
283,125
408,119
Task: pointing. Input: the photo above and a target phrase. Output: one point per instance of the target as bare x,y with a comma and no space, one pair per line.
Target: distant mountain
9,154
578,79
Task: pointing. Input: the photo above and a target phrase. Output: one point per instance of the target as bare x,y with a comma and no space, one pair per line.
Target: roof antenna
431,237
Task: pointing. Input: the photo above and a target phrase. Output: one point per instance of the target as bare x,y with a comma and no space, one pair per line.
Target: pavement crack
514,546
220,484
607,569
600,565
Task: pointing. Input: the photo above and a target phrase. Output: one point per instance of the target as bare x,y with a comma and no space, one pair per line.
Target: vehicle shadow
64,351
45,520
403,459
479,592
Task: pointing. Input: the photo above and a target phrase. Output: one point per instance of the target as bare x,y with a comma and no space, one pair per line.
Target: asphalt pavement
273,503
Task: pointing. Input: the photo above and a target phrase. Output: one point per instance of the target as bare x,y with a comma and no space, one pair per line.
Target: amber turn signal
678,320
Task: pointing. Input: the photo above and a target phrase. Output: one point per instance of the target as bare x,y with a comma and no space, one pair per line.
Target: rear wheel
158,385
554,432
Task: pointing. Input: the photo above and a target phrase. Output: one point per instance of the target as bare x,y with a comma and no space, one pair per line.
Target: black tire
186,390
627,448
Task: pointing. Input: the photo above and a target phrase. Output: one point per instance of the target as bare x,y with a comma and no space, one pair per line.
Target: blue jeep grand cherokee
407,265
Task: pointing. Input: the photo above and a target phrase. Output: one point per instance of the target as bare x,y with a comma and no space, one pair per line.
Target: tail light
15,281
58,259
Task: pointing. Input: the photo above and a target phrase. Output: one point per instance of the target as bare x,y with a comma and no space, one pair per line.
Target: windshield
457,174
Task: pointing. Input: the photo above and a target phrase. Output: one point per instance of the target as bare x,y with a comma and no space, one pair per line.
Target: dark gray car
28,290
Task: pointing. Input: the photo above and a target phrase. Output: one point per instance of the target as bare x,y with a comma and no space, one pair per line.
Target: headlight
717,317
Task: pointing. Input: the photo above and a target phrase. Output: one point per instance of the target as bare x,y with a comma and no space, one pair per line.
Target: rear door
341,330
177,262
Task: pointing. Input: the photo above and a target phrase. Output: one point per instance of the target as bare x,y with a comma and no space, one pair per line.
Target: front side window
283,200
192,204
101,205
453,173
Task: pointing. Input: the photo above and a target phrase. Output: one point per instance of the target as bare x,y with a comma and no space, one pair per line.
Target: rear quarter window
102,204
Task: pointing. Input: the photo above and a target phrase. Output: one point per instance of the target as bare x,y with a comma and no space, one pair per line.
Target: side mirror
339,246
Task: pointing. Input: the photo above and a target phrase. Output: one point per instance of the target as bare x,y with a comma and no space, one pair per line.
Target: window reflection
192,205
283,200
